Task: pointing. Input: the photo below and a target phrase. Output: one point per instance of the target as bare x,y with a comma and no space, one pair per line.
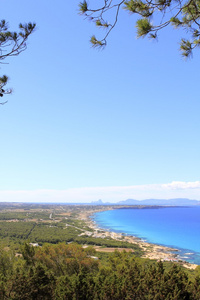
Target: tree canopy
12,44
154,15
69,272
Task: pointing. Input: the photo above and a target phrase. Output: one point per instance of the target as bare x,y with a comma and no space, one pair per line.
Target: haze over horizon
189,190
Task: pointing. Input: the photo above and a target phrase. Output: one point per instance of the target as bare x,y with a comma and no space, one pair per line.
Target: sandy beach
151,251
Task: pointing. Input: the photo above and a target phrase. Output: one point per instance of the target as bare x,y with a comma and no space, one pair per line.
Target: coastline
151,251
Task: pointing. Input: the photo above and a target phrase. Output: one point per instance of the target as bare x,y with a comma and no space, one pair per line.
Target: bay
177,227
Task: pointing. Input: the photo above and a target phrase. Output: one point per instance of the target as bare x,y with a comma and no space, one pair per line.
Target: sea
176,227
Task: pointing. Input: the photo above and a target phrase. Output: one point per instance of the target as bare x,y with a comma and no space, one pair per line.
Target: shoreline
151,251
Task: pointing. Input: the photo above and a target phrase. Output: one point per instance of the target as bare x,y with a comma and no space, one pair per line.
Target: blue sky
87,124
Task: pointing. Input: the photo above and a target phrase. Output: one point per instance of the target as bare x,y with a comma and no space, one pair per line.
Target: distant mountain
99,202
171,202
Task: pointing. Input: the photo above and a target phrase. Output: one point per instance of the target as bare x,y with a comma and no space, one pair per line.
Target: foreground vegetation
70,272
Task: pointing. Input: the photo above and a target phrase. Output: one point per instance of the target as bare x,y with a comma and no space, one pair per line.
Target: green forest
72,272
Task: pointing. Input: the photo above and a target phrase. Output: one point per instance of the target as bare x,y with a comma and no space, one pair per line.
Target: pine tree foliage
12,44
67,272
154,15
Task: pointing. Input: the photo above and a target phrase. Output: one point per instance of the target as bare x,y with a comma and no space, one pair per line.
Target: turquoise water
177,227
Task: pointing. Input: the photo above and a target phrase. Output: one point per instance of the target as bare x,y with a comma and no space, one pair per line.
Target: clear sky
84,124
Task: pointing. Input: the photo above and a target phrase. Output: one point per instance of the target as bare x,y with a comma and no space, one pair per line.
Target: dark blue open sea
177,227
